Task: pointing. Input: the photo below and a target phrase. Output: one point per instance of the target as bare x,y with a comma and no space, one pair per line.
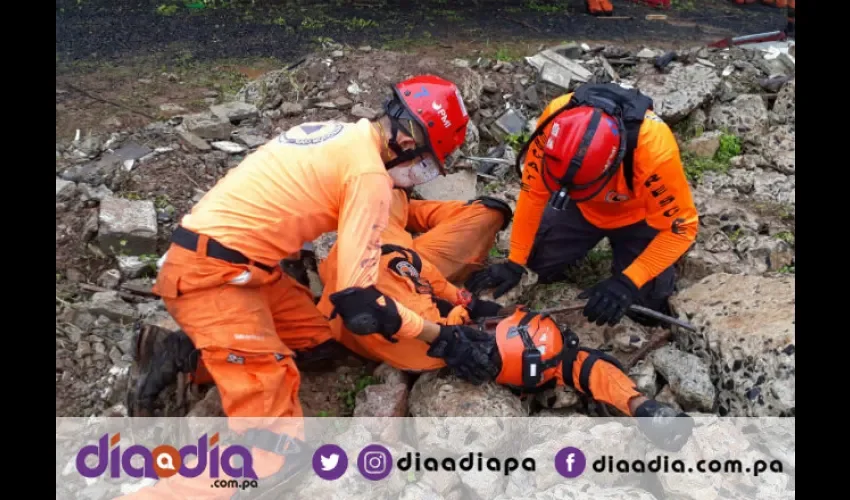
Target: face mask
420,173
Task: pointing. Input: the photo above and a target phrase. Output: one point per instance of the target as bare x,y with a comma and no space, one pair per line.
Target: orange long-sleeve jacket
312,179
662,198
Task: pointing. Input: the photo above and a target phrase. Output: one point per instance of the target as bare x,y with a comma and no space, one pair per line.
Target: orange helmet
531,346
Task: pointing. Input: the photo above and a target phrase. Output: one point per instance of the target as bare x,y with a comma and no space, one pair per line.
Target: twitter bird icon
330,462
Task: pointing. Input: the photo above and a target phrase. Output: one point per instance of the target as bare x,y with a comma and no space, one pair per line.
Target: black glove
480,308
609,300
664,426
362,314
502,276
468,352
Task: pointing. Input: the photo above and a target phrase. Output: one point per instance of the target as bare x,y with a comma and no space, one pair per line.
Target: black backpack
627,106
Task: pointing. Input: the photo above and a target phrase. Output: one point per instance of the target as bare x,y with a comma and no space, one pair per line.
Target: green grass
696,166
516,141
786,236
545,7
349,396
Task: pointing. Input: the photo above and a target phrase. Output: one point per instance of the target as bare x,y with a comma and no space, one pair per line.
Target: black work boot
666,427
159,356
313,358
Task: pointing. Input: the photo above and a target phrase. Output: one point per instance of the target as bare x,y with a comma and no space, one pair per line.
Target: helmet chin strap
396,112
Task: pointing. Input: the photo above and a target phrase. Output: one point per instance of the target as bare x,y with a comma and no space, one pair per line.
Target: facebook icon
570,462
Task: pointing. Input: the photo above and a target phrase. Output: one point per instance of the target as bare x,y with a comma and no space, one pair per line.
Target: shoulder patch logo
308,134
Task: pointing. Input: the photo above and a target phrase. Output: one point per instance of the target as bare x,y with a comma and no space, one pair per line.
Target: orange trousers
607,383
456,241
246,322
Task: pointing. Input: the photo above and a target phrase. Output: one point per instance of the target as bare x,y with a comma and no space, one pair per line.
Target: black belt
189,240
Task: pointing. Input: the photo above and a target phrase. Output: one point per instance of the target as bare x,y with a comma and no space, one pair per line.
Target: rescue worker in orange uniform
532,353
419,272
601,164
222,282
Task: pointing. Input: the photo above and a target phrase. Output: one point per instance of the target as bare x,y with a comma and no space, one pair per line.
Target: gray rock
95,172
471,84
289,109
109,279
389,375
666,396
207,126
706,145
778,147
747,334
643,373
722,440
322,245
746,116
248,139
460,185
229,147
382,400
785,105
419,491
439,394
127,227
267,91
342,102
678,93
688,377
774,187
193,140
109,304
65,190
94,193
748,161
441,481
132,266
361,111
561,397
484,484
579,489
235,111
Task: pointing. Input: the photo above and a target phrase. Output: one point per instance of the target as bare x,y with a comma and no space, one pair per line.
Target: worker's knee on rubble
498,205
600,7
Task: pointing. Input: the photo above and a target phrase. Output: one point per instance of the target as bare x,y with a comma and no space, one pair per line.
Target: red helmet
437,106
531,346
583,151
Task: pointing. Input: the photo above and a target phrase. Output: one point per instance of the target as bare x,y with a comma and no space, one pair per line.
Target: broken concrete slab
235,111
193,140
456,186
676,94
361,111
207,126
557,69
127,227
511,122
132,266
706,145
109,304
65,190
132,151
248,139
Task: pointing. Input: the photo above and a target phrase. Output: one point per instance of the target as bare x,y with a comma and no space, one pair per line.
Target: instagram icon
375,462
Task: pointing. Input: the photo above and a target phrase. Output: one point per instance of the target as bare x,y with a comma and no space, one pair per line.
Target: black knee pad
593,355
496,204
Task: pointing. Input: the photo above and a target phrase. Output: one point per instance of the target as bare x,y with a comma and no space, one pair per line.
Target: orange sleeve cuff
411,323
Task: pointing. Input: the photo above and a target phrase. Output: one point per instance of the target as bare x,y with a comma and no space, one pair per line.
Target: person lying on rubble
455,239
222,282
601,163
529,352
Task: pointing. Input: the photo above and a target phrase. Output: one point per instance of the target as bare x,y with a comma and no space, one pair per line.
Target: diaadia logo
164,461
